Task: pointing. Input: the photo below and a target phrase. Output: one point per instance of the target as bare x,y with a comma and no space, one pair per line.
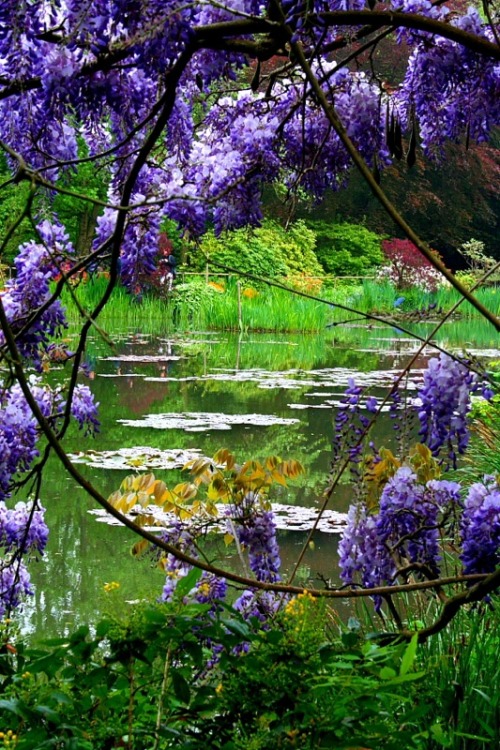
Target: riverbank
228,305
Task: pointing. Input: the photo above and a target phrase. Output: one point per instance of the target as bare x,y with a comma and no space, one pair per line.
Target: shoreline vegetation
221,303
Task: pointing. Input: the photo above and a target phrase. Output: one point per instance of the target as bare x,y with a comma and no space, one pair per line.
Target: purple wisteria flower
351,424
411,514
210,589
405,530
85,409
181,537
14,585
23,528
362,557
256,532
480,527
19,431
445,404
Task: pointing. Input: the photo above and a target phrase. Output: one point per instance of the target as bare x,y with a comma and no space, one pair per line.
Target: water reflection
265,375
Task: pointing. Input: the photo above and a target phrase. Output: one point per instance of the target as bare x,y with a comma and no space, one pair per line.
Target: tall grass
463,676
196,305
123,310
375,297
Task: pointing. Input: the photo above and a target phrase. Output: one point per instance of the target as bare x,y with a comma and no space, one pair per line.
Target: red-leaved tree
407,266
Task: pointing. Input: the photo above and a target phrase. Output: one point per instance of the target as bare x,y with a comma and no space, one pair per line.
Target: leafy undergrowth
181,676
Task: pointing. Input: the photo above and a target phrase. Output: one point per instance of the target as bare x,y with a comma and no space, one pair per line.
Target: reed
463,677
196,305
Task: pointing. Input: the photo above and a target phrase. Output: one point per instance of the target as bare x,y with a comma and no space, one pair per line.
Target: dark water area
257,395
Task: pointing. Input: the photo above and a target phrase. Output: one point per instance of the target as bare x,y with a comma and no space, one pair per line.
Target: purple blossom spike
480,527
445,404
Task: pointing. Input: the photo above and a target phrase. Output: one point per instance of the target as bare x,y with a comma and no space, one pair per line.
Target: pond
255,394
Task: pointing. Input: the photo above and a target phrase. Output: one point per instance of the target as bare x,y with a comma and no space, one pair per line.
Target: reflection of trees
81,555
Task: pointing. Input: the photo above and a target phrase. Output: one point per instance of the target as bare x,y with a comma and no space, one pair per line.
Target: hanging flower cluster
480,527
404,533
445,404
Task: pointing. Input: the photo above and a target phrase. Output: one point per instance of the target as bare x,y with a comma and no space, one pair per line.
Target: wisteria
405,531
256,539
23,528
480,527
23,533
445,403
15,585
179,536
37,265
351,423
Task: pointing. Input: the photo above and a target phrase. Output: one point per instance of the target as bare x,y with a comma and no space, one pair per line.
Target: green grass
196,306
463,675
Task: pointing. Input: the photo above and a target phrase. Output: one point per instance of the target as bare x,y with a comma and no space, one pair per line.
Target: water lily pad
337,378
286,517
202,421
139,458
142,358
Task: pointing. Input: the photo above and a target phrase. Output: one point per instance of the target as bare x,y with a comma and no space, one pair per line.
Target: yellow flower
250,293
111,586
219,688
204,589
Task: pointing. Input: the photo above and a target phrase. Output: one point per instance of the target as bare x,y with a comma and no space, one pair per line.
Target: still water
255,394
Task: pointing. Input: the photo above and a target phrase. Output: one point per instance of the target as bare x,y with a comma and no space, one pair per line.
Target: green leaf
48,714
409,655
350,639
387,673
181,687
238,628
13,706
188,582
440,736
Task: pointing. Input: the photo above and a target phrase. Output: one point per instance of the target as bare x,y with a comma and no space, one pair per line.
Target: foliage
407,267
94,691
246,517
302,683
296,687
269,251
462,672
407,512
147,92
477,260
79,215
347,249
12,206
482,457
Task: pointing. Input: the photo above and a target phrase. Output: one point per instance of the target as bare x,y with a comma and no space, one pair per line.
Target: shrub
347,249
270,251
408,267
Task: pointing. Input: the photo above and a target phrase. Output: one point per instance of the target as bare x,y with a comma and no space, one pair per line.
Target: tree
347,249
152,89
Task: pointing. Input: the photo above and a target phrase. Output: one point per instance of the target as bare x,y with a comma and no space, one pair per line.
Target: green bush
347,249
269,251
146,684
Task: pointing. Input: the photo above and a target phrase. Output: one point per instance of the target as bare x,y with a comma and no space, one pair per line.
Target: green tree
270,250
347,249
12,205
